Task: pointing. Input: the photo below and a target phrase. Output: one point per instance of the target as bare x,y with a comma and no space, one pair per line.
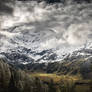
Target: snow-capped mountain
24,46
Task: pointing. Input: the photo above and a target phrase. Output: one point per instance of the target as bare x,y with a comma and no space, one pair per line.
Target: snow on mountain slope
38,32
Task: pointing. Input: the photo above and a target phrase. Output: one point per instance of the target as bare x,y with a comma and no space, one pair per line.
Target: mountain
26,46
77,63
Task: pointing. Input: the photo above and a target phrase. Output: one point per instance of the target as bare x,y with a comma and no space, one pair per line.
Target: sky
40,26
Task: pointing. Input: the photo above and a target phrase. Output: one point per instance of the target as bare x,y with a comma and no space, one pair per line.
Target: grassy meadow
64,83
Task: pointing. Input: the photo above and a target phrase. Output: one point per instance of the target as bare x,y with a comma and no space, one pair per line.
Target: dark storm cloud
5,8
58,25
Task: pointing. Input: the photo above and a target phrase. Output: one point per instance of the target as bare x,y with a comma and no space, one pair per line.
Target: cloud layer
47,26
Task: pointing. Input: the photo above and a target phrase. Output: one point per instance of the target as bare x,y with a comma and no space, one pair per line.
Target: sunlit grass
56,78
66,82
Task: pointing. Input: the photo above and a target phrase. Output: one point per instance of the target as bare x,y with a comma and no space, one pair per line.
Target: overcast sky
58,25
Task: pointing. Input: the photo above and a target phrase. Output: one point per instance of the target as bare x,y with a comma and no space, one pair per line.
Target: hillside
14,80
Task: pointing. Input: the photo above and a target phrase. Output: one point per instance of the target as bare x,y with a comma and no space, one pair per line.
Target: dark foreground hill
13,80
